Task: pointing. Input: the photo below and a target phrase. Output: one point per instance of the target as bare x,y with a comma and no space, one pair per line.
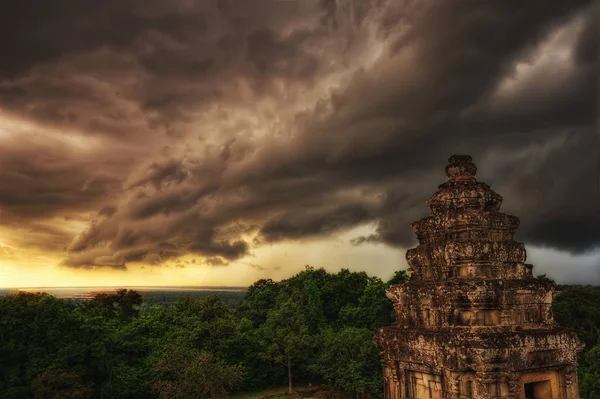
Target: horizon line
128,286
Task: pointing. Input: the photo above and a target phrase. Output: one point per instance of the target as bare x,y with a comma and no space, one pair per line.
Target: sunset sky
216,142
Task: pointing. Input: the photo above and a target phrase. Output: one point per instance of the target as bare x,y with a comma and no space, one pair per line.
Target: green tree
128,346
128,380
590,380
124,303
373,309
577,307
286,336
39,335
183,371
341,290
349,360
260,298
55,383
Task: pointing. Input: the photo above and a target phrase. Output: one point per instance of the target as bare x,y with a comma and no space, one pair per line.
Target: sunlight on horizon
276,261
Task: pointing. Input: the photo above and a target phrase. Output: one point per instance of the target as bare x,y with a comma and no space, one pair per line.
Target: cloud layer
215,127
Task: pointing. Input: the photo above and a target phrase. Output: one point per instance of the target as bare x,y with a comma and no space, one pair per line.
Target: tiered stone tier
473,322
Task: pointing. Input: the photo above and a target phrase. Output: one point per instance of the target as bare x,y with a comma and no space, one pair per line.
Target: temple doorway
538,390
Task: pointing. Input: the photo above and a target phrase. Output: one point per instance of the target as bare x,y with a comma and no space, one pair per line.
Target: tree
287,335
590,381
260,298
128,381
349,360
577,307
124,303
341,290
183,371
373,310
41,336
55,383
128,346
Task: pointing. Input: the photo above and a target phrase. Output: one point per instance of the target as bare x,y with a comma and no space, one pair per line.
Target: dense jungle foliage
316,327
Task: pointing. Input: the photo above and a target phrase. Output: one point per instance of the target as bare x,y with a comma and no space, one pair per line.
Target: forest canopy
313,328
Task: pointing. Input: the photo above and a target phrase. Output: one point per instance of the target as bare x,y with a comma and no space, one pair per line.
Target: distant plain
150,294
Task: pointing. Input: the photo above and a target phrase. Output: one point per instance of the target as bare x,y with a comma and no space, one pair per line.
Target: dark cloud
370,239
302,223
160,174
214,127
586,49
107,211
44,176
558,195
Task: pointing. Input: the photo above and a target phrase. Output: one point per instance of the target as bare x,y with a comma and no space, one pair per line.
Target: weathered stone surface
473,322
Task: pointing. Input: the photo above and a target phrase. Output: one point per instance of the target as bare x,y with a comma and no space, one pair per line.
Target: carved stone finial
461,167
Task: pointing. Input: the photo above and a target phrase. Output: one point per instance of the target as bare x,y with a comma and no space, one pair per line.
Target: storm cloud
215,127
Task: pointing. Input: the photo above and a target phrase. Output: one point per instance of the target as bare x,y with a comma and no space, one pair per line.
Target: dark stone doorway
538,390
529,391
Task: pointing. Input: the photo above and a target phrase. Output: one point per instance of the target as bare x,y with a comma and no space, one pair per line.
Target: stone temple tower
473,322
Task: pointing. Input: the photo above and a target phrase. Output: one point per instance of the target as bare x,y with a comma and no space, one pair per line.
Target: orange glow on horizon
32,269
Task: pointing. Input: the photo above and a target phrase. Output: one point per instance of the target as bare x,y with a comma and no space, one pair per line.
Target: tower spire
461,167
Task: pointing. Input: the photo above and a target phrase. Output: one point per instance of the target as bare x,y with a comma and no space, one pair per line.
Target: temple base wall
414,384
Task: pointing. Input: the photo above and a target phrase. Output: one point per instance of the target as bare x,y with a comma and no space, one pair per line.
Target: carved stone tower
473,322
